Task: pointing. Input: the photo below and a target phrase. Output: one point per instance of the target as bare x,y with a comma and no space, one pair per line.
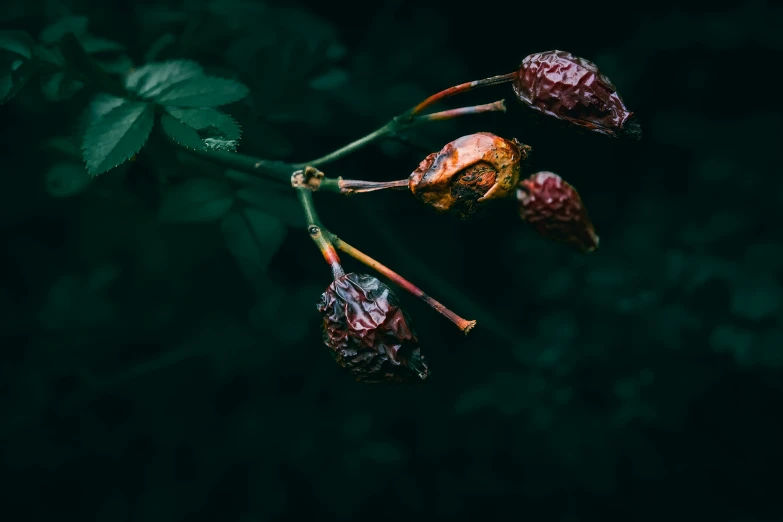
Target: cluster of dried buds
363,324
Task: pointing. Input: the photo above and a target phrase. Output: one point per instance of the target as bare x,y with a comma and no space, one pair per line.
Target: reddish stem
463,87
499,105
403,283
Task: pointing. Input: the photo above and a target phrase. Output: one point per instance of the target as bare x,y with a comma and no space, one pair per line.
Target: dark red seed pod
555,209
368,332
572,89
468,173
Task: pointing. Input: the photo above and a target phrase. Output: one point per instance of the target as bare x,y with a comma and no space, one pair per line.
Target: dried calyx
555,210
368,333
572,89
468,172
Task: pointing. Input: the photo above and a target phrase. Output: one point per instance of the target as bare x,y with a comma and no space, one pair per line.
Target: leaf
253,237
203,118
196,200
220,144
66,179
286,208
149,80
69,24
60,86
181,133
205,91
116,64
17,42
117,135
94,45
330,80
13,82
101,105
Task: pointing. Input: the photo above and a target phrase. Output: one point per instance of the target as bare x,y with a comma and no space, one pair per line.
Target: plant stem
458,89
318,236
351,147
399,123
499,105
277,171
462,324
356,186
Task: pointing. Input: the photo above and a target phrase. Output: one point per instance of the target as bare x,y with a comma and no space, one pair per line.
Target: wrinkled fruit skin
572,89
468,172
555,209
368,332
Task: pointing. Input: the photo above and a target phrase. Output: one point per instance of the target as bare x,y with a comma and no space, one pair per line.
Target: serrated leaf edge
141,145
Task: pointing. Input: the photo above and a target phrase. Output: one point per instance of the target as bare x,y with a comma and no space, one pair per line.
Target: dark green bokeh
146,375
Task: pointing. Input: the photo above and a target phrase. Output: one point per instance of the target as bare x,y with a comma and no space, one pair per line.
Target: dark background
143,377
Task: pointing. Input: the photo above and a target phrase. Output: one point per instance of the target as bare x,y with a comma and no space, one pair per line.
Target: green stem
277,171
400,123
319,237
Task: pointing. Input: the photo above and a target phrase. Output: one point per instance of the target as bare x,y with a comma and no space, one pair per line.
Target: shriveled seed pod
555,209
572,89
368,332
468,172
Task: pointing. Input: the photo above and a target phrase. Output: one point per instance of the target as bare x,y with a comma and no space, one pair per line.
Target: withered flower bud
468,172
368,332
555,209
572,89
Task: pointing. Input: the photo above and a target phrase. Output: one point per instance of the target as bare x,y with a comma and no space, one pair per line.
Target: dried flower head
368,332
572,89
468,172
555,209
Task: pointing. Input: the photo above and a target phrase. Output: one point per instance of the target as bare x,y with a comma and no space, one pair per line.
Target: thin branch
403,122
355,186
499,105
314,229
462,324
458,89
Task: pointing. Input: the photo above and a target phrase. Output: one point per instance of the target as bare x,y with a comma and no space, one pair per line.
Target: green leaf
13,82
60,86
17,42
115,64
196,200
101,105
94,45
149,80
116,136
6,84
221,144
205,91
66,179
253,237
330,80
181,133
69,24
286,208
203,118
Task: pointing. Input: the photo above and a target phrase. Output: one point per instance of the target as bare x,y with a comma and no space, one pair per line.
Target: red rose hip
555,210
572,89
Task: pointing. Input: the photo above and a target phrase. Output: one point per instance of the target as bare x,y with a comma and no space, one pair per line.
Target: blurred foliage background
147,375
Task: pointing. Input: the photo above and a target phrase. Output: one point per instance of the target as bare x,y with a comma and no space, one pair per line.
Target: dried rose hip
555,209
570,88
369,333
468,172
